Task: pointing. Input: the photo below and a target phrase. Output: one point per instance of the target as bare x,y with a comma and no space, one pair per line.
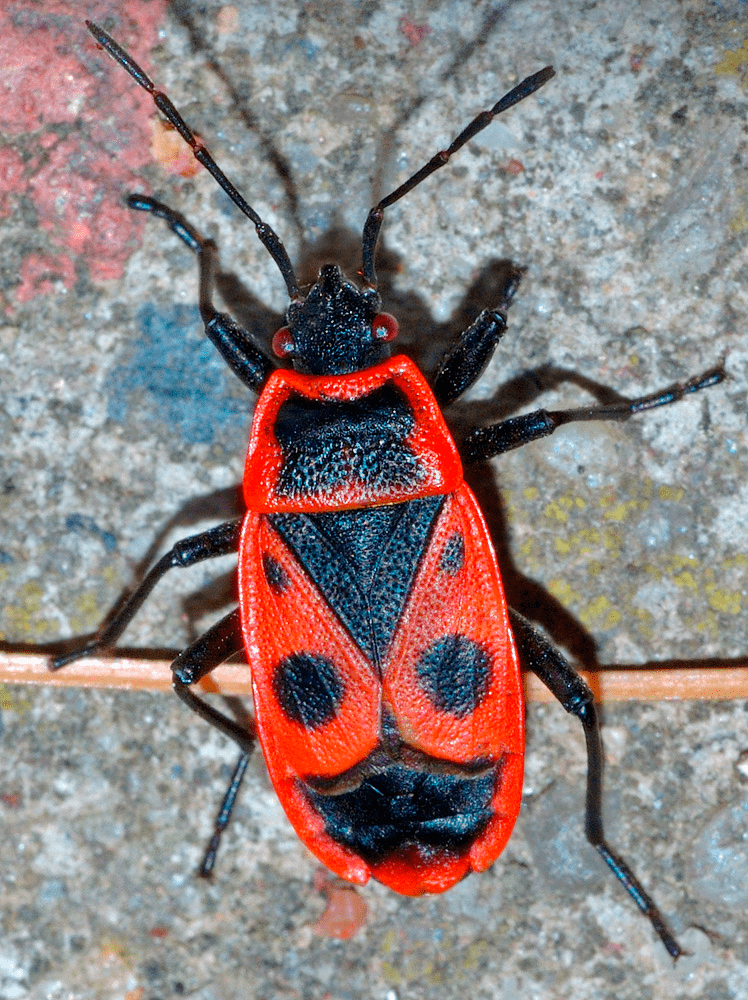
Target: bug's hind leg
211,649
234,343
571,690
486,442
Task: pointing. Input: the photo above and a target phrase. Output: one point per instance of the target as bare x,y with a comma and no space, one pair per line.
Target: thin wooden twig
699,683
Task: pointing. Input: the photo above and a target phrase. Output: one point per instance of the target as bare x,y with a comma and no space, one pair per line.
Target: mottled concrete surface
621,188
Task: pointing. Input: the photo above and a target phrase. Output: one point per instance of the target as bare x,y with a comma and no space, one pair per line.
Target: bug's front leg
465,361
222,540
234,343
571,690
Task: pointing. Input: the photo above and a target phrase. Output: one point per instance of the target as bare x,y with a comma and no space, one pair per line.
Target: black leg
266,234
236,347
486,442
220,642
465,361
224,815
565,684
219,541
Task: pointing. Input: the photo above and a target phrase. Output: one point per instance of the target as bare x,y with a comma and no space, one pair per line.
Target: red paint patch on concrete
345,913
11,178
81,131
514,167
415,33
41,273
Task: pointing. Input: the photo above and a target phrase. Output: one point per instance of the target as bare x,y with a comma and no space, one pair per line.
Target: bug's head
336,329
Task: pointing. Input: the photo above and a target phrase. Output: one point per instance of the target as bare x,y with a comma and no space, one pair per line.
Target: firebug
385,661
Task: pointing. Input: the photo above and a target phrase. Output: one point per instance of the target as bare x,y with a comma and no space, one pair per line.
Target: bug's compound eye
283,345
384,328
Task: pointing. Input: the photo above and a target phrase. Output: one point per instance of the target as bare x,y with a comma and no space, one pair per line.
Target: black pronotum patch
326,445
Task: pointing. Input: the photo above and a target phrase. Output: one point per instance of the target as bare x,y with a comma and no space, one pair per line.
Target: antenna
481,121
266,233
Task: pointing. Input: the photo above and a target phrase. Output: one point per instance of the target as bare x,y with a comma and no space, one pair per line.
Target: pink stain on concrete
80,132
40,272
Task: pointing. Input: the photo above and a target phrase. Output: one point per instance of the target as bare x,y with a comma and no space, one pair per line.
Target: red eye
283,344
384,327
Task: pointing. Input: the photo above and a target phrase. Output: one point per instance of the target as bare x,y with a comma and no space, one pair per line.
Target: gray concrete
119,425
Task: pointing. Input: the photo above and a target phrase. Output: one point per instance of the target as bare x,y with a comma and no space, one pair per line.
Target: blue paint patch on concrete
304,45
84,525
176,376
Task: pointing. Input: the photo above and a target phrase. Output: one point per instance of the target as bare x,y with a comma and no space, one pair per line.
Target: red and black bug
385,662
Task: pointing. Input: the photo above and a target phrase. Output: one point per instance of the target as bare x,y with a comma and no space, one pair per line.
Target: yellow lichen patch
600,614
613,539
607,498
622,511
734,62
531,493
595,567
708,624
645,621
24,619
581,543
529,552
558,510
562,591
506,499
12,701
739,562
727,601
739,221
474,955
681,562
89,612
675,493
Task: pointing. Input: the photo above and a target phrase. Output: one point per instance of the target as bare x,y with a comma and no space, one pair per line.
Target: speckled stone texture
621,188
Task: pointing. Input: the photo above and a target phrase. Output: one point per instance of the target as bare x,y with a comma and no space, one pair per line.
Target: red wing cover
414,653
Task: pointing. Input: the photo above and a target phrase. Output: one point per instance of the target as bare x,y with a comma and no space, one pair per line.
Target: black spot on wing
276,576
452,558
363,562
454,672
309,689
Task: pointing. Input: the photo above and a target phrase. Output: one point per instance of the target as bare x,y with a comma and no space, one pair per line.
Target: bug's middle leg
487,442
222,540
